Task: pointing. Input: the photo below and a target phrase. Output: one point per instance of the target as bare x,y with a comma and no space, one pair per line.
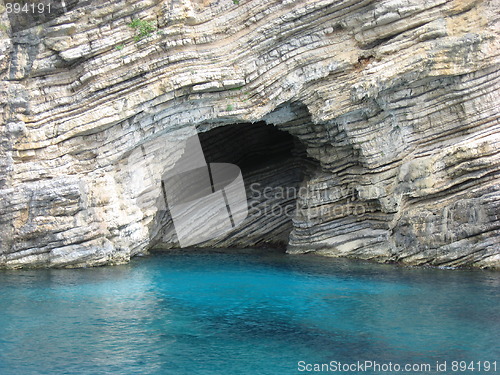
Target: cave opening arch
274,165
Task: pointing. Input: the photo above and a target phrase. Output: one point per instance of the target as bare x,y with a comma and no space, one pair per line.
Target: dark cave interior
271,161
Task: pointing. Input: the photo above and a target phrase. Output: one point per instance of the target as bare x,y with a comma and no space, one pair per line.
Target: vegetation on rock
143,29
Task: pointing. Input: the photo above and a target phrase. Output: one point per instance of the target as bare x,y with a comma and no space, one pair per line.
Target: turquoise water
219,313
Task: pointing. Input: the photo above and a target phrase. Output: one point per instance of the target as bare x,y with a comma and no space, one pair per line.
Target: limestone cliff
391,109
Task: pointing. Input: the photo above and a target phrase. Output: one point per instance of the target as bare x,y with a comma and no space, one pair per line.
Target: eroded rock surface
395,102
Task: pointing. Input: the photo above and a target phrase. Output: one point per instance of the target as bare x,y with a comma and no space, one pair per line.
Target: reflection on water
215,313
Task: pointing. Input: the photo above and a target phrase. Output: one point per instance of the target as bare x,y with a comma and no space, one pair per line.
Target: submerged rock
391,110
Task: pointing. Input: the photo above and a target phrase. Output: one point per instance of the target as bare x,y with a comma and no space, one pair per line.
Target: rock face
391,109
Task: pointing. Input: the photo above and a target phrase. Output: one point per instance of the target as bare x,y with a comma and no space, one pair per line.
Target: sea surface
247,313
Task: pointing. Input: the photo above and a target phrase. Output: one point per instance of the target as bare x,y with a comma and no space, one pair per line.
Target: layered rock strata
395,102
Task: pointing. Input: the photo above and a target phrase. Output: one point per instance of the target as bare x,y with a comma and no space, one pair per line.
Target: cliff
382,118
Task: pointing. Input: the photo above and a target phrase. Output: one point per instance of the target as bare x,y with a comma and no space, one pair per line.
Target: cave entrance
274,164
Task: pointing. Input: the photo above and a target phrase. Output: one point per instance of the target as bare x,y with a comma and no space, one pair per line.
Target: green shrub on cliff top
142,28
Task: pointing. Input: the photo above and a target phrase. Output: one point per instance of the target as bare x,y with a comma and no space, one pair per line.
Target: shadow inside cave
273,163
